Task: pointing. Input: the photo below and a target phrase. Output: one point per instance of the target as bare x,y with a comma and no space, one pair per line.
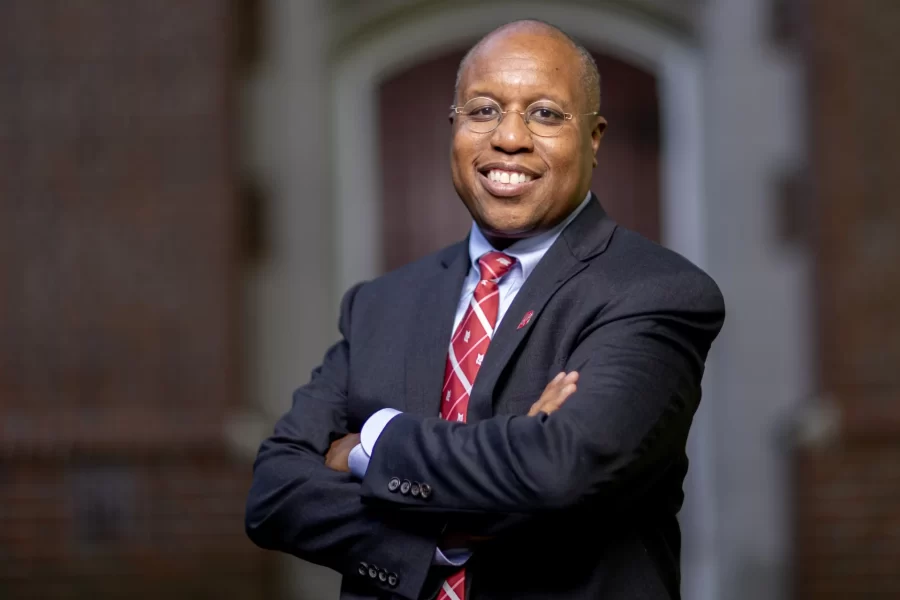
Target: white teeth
508,176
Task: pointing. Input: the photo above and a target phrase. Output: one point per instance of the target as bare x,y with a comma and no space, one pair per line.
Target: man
429,457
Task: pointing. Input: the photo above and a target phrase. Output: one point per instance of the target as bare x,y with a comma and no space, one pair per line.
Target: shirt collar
527,251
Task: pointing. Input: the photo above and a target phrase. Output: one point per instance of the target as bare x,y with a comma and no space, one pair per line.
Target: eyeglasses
543,118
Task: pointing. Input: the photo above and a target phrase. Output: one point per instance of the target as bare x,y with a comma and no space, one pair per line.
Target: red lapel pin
525,319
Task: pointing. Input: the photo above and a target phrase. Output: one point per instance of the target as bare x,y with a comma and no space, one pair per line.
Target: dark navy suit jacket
575,505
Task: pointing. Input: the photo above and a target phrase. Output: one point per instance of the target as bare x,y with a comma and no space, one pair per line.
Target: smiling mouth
513,177
506,183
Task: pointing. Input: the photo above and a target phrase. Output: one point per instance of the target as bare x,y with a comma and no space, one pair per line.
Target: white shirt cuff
373,427
361,454
454,557
358,461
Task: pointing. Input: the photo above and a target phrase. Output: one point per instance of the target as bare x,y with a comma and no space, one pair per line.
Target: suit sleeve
640,360
300,506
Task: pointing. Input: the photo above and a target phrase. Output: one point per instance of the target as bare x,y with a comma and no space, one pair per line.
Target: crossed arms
639,365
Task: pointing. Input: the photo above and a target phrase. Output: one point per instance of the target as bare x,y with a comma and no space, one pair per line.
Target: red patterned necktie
468,346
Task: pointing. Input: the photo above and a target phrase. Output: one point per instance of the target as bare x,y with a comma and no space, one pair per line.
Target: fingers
552,388
567,386
337,455
558,384
563,378
557,391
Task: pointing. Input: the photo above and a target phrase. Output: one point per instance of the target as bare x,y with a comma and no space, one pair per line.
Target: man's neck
501,243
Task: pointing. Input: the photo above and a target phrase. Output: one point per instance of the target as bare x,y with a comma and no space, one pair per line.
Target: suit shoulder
638,265
409,274
648,256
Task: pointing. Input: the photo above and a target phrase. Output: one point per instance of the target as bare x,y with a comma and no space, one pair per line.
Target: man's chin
504,217
507,228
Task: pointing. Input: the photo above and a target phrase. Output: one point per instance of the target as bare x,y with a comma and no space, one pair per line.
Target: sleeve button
404,487
363,569
393,579
393,484
425,491
415,490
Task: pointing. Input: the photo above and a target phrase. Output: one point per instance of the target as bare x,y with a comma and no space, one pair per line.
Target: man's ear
597,135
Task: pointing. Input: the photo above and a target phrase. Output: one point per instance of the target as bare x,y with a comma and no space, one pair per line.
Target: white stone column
753,136
291,301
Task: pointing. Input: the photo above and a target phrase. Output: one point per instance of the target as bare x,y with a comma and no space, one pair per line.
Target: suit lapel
584,238
431,322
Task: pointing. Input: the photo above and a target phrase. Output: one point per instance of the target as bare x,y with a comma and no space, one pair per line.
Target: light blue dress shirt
528,252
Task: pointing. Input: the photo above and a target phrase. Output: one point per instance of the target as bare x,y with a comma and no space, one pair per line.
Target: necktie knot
495,265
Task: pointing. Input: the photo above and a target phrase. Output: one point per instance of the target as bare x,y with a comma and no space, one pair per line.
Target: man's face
517,69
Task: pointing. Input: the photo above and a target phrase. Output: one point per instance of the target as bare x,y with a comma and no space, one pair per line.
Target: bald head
590,76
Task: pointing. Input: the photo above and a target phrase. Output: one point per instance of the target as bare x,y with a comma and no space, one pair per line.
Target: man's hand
338,455
557,391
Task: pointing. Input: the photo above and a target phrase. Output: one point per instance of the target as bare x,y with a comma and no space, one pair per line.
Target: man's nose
511,135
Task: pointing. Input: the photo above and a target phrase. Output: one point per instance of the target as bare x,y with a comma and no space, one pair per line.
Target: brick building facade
848,479
119,257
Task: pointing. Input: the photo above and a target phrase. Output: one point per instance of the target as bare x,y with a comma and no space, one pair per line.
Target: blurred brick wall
118,318
848,495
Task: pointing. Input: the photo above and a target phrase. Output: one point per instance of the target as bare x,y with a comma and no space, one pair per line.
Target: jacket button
382,575
393,579
363,569
425,491
373,572
404,487
415,490
393,484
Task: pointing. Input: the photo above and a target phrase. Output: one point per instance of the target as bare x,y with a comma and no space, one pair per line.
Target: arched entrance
360,69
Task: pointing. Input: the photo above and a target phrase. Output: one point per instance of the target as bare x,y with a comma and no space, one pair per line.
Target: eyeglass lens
483,115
